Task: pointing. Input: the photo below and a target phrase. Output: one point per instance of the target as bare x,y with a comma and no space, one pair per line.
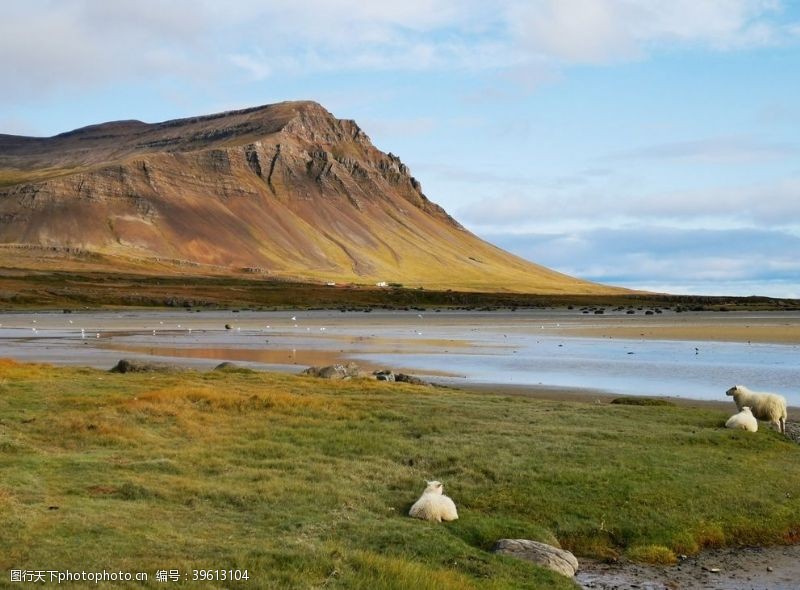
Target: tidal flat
691,355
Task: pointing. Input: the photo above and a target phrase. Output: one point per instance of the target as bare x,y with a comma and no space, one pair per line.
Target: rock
403,378
347,371
385,375
553,558
226,365
127,366
230,367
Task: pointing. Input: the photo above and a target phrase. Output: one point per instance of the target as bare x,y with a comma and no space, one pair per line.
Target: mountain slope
284,190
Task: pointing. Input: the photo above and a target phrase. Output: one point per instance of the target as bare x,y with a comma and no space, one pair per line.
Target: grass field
306,483
46,289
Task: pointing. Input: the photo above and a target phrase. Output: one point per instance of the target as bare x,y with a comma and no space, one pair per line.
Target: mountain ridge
284,190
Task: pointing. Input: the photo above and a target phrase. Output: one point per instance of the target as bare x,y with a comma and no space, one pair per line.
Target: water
536,348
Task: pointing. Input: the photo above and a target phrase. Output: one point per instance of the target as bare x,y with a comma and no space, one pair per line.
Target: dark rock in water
556,559
347,371
128,366
385,375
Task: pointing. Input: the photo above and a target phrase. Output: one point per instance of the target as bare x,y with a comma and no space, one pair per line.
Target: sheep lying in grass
744,420
433,505
765,406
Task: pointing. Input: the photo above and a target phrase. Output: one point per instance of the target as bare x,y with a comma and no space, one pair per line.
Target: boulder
128,366
403,378
385,375
553,558
347,371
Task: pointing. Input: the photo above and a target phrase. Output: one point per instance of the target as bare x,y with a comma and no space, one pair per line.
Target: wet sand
746,568
775,328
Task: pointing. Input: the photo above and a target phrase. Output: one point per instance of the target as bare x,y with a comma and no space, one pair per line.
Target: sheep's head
734,390
434,487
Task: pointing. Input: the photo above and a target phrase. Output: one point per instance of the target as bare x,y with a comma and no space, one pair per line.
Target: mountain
285,191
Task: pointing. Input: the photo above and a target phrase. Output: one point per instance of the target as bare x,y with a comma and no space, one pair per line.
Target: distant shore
31,289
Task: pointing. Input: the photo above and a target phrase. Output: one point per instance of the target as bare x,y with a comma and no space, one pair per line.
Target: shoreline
572,394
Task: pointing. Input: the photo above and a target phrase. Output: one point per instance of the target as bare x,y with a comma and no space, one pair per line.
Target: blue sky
644,143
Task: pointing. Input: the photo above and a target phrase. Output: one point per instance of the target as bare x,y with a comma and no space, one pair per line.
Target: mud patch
748,568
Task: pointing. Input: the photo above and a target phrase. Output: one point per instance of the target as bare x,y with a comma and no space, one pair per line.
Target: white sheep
433,505
744,420
765,406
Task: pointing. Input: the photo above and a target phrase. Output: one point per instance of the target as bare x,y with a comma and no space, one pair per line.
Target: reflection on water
654,368
522,348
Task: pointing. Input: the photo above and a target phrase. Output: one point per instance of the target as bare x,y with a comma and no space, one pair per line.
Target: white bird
294,318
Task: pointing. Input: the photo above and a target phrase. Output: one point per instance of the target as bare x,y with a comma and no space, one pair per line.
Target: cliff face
286,190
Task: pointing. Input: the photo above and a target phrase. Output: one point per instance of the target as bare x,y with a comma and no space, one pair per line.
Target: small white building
382,284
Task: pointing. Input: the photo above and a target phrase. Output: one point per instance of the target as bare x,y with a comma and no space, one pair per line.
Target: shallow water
513,348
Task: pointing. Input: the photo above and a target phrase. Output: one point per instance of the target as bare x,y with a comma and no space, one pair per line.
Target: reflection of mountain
284,190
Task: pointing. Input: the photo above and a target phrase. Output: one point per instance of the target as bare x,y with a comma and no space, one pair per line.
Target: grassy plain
306,483
87,288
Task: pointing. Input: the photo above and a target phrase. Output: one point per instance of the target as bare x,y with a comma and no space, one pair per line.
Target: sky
649,144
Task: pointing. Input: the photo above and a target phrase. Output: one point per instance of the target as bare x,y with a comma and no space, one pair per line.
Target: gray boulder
347,371
129,366
556,559
403,378
385,375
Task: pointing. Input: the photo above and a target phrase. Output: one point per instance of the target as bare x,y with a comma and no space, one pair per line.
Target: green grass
306,483
641,401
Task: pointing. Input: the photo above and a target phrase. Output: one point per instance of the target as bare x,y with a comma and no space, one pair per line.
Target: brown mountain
284,190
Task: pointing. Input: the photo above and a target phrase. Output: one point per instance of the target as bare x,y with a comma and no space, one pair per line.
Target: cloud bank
58,46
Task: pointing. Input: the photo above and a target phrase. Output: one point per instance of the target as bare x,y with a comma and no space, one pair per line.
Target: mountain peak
285,190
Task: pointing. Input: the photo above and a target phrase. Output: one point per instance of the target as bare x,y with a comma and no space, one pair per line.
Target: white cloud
257,68
546,206
715,150
52,45
743,261
601,31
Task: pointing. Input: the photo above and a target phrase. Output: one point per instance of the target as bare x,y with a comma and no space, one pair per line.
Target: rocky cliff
285,190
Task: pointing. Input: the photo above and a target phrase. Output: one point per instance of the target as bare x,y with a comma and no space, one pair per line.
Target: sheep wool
433,505
744,420
764,406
